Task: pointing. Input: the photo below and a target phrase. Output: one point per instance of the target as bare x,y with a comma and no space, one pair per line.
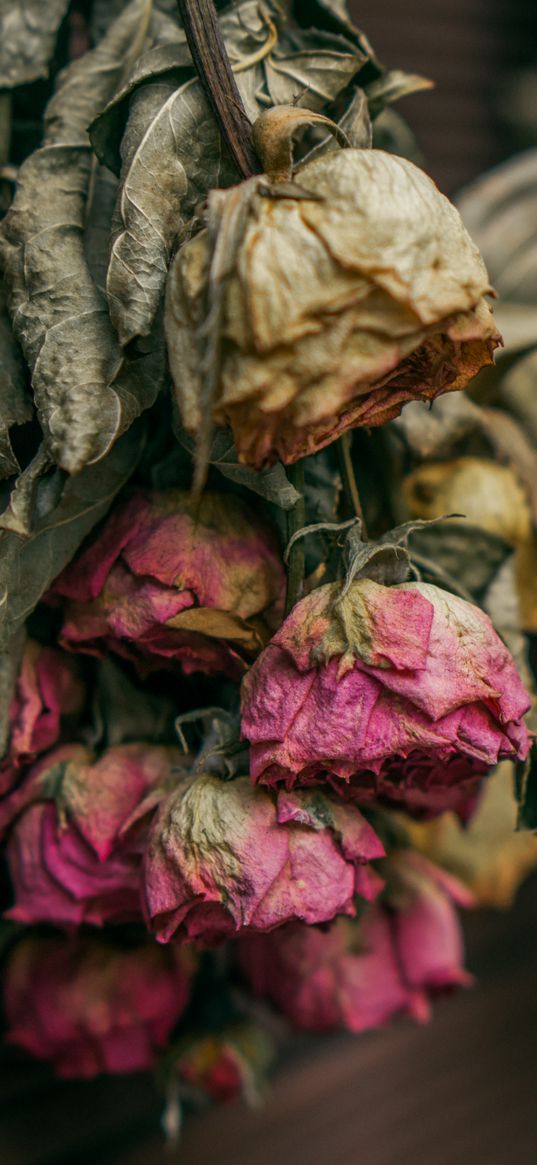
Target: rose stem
212,63
350,487
296,519
213,66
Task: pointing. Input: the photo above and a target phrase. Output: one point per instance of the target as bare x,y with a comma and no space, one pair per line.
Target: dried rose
226,1064
223,857
336,310
75,850
170,579
48,690
91,1007
403,694
489,854
357,975
490,496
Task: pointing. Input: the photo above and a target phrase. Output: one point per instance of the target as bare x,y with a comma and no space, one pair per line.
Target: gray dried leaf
392,86
27,568
172,152
518,393
124,712
10,662
99,212
28,31
15,402
18,514
104,12
334,16
59,316
467,554
500,211
271,484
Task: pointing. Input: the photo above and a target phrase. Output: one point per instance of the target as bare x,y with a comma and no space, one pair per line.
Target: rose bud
223,857
336,309
91,1007
47,693
170,579
75,850
403,695
357,975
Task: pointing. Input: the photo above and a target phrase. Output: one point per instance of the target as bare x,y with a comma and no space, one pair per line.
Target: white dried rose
333,310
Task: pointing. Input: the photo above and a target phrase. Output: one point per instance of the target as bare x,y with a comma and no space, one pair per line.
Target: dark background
462,1091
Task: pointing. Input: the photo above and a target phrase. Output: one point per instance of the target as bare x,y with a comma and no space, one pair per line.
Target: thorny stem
350,487
213,65
296,519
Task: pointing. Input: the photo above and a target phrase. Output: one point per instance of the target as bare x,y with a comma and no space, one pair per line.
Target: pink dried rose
357,975
172,579
224,858
91,1007
75,850
403,695
48,691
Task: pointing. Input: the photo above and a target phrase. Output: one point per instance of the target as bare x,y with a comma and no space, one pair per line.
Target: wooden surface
461,1091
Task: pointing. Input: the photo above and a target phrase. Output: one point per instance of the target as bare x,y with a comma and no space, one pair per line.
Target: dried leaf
518,393
59,316
172,152
19,514
28,31
334,16
500,211
100,208
10,661
28,568
15,402
467,554
123,712
392,86
218,625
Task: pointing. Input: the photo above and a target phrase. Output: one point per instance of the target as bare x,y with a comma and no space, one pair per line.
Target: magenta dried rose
75,850
171,579
404,695
357,975
91,1007
48,691
224,857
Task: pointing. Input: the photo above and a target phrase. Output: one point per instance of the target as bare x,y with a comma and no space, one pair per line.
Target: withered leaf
59,317
499,210
124,712
15,401
19,513
27,568
10,661
334,16
518,393
99,211
218,625
470,556
392,86
172,152
28,31
272,484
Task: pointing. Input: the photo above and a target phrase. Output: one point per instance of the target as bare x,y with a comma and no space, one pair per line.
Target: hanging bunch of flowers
240,706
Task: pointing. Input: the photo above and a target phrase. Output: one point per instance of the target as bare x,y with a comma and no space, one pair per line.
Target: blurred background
462,1091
